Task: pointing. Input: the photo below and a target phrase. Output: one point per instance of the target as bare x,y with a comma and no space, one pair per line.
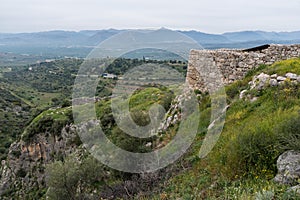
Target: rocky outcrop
234,64
173,114
24,168
288,165
262,81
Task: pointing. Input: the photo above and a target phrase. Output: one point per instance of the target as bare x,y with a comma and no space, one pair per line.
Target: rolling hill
53,44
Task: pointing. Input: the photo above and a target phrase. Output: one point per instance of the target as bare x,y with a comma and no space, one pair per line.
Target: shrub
249,142
21,173
73,179
130,143
16,153
254,152
289,134
141,118
234,89
254,71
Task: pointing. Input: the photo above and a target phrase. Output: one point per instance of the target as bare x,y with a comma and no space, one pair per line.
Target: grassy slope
24,94
54,119
14,114
139,103
243,163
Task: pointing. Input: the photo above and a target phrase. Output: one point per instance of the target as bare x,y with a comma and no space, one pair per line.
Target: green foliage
139,104
14,114
248,144
50,122
200,184
234,89
122,65
21,173
254,71
289,133
104,113
252,151
241,166
105,87
57,76
130,143
50,85
26,91
144,98
283,67
73,179
243,163
257,189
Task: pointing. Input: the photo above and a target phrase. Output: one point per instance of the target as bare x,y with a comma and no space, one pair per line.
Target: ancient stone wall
233,64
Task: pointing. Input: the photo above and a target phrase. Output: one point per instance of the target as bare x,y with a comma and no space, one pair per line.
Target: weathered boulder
274,76
291,76
259,82
273,82
242,94
288,165
281,78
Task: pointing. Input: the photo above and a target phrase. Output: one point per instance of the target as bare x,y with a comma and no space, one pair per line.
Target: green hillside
243,163
49,124
259,127
26,91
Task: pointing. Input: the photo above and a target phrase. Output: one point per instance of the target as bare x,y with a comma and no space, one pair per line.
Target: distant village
109,76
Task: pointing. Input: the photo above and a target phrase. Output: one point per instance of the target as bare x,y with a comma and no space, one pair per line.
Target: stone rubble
263,81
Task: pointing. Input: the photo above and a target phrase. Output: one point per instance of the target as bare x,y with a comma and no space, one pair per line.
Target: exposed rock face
174,114
24,168
234,64
288,165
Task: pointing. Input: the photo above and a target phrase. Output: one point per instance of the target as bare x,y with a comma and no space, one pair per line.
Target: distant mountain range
79,44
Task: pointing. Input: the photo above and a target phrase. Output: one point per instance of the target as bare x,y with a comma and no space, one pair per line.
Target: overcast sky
212,16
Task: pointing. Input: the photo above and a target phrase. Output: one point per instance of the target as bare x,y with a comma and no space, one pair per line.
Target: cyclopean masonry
234,64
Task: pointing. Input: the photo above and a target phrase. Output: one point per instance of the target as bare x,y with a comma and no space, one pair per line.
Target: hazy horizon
209,16
118,29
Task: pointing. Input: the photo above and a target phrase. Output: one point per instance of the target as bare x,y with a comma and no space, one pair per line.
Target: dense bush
253,152
289,134
71,179
129,143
